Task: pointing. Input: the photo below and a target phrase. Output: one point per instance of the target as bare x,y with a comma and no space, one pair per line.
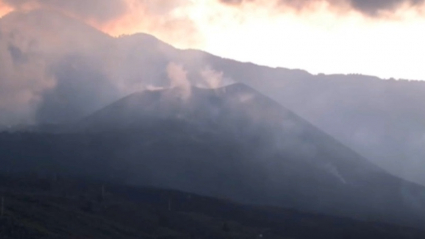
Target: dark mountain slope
230,142
276,150
381,119
62,207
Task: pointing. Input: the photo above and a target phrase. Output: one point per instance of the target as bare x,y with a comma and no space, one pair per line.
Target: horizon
337,37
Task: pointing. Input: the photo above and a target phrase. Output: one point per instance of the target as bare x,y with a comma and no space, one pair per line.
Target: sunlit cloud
166,19
5,9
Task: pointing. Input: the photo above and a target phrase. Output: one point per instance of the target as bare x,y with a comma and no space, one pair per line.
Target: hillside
61,207
231,142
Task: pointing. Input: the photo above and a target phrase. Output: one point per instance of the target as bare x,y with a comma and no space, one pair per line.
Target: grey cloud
367,7
373,7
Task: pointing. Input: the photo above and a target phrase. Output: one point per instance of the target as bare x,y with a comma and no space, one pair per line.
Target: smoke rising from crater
178,79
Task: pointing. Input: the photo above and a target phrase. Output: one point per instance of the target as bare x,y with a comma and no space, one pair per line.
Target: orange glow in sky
320,41
4,9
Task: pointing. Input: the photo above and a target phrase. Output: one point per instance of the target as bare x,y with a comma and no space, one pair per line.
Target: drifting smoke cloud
23,79
63,66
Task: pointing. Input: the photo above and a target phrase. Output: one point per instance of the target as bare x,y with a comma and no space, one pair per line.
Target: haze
222,98
381,38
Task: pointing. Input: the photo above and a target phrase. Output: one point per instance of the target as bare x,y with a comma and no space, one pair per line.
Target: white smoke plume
213,79
178,79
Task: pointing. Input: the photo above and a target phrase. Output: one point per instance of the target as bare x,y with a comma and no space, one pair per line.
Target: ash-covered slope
235,143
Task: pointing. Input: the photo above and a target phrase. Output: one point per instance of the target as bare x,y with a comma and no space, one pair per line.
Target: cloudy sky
375,37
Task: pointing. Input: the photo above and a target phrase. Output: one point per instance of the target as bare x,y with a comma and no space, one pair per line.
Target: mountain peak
235,126
197,104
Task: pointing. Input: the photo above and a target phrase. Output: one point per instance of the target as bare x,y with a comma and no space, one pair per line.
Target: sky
372,37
